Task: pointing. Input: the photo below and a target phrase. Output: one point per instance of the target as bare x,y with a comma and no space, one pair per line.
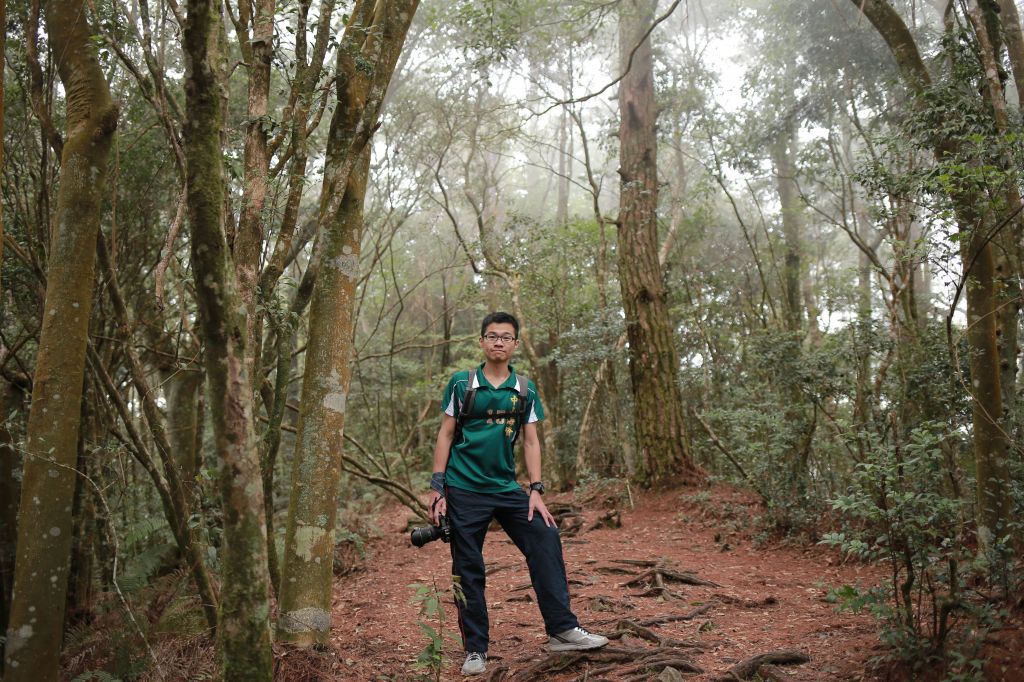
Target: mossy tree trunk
11,401
783,151
244,628
367,57
181,388
3,70
997,268
309,66
1007,247
653,359
990,442
257,47
305,615
35,627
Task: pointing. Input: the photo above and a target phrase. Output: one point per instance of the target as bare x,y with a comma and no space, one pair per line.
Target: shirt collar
478,380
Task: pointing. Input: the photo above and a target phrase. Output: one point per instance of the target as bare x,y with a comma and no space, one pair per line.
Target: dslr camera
424,534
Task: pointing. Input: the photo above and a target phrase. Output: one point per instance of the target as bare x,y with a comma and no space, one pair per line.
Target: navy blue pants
469,514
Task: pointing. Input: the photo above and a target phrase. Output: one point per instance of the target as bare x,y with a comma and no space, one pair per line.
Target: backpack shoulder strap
524,391
524,384
466,408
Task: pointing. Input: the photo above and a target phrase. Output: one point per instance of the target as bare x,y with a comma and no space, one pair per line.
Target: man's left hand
537,505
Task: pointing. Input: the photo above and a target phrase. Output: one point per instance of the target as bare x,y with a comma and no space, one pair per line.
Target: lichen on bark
35,627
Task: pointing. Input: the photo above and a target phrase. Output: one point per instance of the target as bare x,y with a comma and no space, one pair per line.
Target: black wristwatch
538,486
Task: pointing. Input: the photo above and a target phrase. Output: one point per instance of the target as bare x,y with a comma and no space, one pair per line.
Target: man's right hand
438,505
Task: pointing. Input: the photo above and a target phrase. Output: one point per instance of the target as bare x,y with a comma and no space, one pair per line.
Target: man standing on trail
474,480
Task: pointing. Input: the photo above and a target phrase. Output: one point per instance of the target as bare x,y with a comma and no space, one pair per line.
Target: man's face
499,341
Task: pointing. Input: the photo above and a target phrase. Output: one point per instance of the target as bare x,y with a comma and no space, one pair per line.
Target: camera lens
423,535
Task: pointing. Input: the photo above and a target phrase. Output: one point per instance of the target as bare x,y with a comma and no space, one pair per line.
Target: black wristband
437,482
538,486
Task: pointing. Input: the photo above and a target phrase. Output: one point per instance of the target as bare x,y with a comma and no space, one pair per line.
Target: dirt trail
769,597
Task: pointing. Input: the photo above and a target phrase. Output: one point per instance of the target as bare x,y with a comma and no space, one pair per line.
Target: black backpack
466,408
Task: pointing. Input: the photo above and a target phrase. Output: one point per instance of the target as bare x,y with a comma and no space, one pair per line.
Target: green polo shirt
482,460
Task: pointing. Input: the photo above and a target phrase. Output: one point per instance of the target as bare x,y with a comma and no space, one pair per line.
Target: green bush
896,512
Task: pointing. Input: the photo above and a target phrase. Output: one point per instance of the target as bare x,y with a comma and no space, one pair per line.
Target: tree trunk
35,628
367,57
244,626
1006,245
654,362
998,286
990,444
305,614
182,390
1014,37
564,169
989,437
783,150
3,70
80,591
257,49
11,399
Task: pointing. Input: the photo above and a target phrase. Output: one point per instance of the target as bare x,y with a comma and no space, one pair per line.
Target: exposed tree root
625,626
614,570
569,524
610,519
496,674
774,673
630,663
747,668
650,661
661,620
645,667
660,591
602,603
660,573
642,563
746,603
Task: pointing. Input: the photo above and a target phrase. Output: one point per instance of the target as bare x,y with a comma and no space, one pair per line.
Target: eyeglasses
494,338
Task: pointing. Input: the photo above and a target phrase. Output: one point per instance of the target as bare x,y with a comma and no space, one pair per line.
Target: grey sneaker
576,639
475,663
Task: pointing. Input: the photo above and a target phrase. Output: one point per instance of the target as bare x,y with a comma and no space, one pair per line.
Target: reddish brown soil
771,596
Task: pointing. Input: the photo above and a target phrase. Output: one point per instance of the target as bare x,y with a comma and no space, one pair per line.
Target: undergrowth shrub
898,512
432,621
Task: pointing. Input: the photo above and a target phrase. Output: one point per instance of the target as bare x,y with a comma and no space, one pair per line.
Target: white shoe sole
569,646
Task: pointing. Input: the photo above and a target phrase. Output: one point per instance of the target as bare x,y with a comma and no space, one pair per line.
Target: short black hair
499,317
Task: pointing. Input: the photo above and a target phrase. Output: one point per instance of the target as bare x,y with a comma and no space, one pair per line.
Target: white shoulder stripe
449,409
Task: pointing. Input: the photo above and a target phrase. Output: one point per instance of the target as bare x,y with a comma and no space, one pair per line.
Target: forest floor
766,596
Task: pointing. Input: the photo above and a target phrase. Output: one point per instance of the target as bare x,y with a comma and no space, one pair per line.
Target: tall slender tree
990,439
35,627
653,359
244,626
783,150
367,57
